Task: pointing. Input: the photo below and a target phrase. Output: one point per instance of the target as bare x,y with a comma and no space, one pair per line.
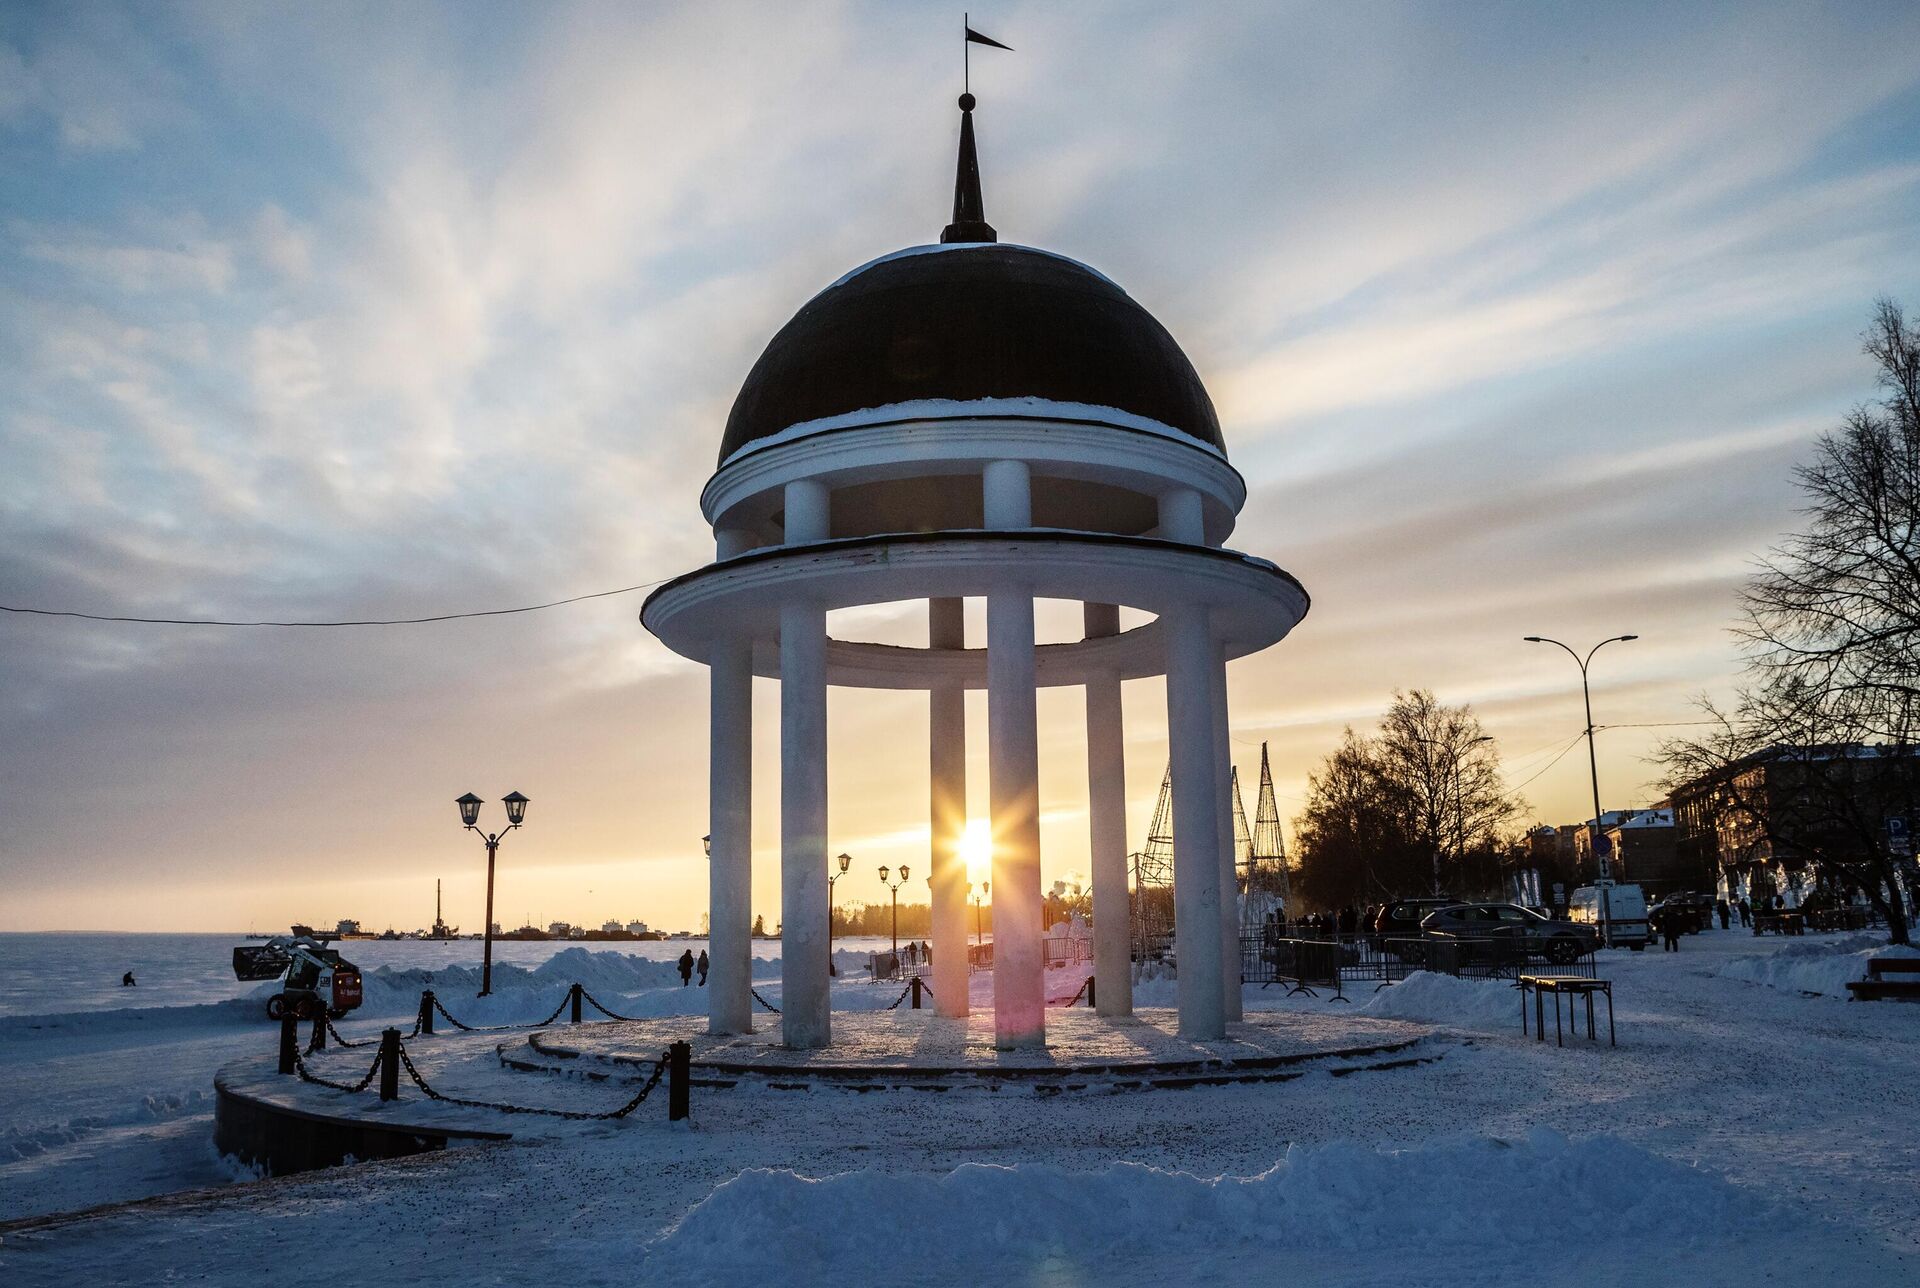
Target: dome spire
969,209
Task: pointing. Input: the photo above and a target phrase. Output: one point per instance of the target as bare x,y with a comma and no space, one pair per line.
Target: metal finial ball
966,102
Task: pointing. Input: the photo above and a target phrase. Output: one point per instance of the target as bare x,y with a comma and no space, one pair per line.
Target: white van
1619,912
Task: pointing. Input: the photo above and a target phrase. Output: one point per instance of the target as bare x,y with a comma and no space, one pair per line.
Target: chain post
318,1042
426,1012
289,1041
679,1080
573,1002
916,992
390,1064
1090,980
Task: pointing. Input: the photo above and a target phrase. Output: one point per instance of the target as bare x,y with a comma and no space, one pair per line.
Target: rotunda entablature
906,469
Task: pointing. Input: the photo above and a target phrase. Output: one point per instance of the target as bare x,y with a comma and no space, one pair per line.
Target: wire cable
370,621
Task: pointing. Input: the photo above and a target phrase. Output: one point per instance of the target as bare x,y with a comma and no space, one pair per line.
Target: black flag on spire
973,38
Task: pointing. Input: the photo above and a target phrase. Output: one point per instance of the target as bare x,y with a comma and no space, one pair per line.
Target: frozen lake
50,974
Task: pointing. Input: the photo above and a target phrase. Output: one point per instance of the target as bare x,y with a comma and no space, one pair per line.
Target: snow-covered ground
1741,1133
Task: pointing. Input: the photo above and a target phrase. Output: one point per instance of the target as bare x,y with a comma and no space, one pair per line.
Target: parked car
1512,932
1618,911
1693,912
1401,919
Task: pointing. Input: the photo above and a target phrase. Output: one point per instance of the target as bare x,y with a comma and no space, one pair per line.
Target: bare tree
1355,842
1450,769
1833,640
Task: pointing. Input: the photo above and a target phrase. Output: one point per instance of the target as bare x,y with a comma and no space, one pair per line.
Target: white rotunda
975,419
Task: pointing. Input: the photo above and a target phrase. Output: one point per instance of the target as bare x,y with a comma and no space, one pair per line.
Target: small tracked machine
317,980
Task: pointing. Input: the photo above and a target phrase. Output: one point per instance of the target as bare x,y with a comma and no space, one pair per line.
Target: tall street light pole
894,887
1593,760
469,818
985,888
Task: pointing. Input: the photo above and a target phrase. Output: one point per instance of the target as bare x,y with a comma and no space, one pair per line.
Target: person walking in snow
126,980
686,968
1670,929
1746,912
701,966
1720,906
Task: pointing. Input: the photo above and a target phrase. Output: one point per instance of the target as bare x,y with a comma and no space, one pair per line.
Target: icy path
1804,1102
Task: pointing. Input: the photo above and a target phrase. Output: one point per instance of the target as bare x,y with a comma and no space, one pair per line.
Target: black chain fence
464,1027
308,1075
895,1003
763,1001
577,1115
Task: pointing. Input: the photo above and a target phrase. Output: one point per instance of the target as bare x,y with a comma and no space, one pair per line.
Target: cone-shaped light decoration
969,210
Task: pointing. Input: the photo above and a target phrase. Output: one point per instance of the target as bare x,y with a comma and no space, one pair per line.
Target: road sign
1899,840
1603,844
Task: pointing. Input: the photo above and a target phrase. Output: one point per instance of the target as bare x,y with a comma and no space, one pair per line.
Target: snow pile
18,1142
1815,966
1455,1199
1442,999
133,1019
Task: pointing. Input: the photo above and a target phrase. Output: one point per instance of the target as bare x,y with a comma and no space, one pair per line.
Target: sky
1517,317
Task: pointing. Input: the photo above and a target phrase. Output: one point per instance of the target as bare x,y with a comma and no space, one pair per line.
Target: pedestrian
1670,929
1720,906
126,980
686,967
1746,912
702,967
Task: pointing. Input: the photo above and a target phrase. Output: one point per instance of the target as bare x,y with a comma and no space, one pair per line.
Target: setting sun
976,850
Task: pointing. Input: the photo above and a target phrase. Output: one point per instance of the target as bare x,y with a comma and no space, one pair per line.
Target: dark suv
1513,931
1401,919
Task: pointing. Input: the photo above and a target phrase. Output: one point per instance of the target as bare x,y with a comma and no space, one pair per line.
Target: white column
1107,827
1181,517
947,796
1013,746
806,1004
808,511
1196,837
728,542
1223,825
730,827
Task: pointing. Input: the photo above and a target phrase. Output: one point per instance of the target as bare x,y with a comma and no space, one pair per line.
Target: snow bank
1442,999
18,1142
1459,1198
1814,966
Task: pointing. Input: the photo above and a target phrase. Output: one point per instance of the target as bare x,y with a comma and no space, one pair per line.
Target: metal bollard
426,1012
289,1040
318,1042
679,1080
1090,987
573,1000
916,992
390,1064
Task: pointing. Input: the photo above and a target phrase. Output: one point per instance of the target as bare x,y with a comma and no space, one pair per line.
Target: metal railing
1305,963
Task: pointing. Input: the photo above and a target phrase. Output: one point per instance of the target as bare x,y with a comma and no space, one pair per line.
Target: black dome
967,322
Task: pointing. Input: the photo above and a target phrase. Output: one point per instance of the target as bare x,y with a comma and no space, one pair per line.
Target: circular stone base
907,1046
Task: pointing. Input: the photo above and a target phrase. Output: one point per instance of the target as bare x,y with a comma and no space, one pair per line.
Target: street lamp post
894,887
1593,761
845,861
469,818
986,888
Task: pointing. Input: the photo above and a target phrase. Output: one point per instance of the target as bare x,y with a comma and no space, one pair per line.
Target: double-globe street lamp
1593,761
469,818
894,887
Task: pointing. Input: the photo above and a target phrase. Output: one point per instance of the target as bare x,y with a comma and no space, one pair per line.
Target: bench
1573,986
1877,986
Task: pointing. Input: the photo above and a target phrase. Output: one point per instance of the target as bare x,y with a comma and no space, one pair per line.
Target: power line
1550,764
371,621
